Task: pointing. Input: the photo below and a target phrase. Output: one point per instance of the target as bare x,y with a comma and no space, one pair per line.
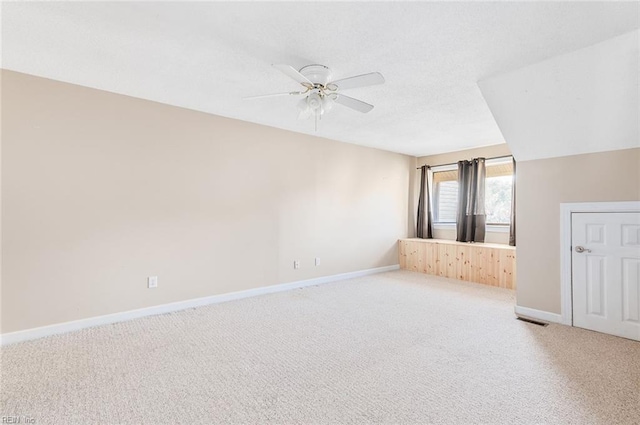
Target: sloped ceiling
207,56
580,102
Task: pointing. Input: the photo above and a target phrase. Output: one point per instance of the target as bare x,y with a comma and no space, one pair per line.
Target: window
498,183
497,191
445,196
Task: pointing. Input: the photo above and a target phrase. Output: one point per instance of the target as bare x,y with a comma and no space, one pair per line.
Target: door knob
581,249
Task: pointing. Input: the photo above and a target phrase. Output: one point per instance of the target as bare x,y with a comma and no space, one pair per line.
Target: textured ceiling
207,56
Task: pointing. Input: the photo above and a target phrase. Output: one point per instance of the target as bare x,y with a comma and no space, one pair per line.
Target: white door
606,272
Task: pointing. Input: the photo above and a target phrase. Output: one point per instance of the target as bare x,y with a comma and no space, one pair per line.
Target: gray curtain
512,225
424,227
471,219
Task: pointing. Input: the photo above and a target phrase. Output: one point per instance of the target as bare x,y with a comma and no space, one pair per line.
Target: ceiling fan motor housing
317,74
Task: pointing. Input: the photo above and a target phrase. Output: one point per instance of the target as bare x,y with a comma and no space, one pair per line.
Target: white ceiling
580,102
207,56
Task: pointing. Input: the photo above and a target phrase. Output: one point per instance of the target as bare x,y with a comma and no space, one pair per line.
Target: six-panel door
606,272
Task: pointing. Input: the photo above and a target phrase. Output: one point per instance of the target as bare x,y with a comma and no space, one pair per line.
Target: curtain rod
454,163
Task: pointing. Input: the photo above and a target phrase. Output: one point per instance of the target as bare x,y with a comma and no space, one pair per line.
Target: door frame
566,209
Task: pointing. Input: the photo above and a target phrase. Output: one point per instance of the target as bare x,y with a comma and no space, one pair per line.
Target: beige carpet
393,348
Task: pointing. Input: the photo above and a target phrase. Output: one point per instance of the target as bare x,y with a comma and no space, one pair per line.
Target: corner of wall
413,197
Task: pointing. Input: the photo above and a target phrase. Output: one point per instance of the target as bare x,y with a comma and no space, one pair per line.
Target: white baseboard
35,333
532,313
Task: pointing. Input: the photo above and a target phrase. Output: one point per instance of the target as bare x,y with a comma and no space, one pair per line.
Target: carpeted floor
393,348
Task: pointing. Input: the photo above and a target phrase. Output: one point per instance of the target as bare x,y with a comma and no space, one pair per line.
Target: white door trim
566,209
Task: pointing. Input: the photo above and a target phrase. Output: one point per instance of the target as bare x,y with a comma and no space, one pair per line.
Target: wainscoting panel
491,264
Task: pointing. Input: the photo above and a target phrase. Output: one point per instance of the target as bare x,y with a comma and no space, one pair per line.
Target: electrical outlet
317,261
152,282
296,264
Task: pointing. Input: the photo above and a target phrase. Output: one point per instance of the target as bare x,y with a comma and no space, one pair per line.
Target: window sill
498,228
465,244
444,226
493,228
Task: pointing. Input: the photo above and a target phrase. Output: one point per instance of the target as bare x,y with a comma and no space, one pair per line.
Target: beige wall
541,186
100,191
450,157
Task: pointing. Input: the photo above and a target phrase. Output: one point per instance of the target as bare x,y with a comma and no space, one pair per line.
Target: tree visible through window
497,201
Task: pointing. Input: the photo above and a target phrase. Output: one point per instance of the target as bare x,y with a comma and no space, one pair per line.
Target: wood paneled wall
491,264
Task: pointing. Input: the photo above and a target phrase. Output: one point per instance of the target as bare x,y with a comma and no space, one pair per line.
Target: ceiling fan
320,92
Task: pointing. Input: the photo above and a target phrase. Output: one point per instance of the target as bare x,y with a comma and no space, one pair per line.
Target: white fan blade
352,103
364,80
291,93
291,72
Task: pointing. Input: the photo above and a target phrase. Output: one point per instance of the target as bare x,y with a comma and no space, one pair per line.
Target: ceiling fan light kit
320,92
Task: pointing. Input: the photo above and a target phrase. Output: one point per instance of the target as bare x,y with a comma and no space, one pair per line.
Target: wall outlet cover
152,282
